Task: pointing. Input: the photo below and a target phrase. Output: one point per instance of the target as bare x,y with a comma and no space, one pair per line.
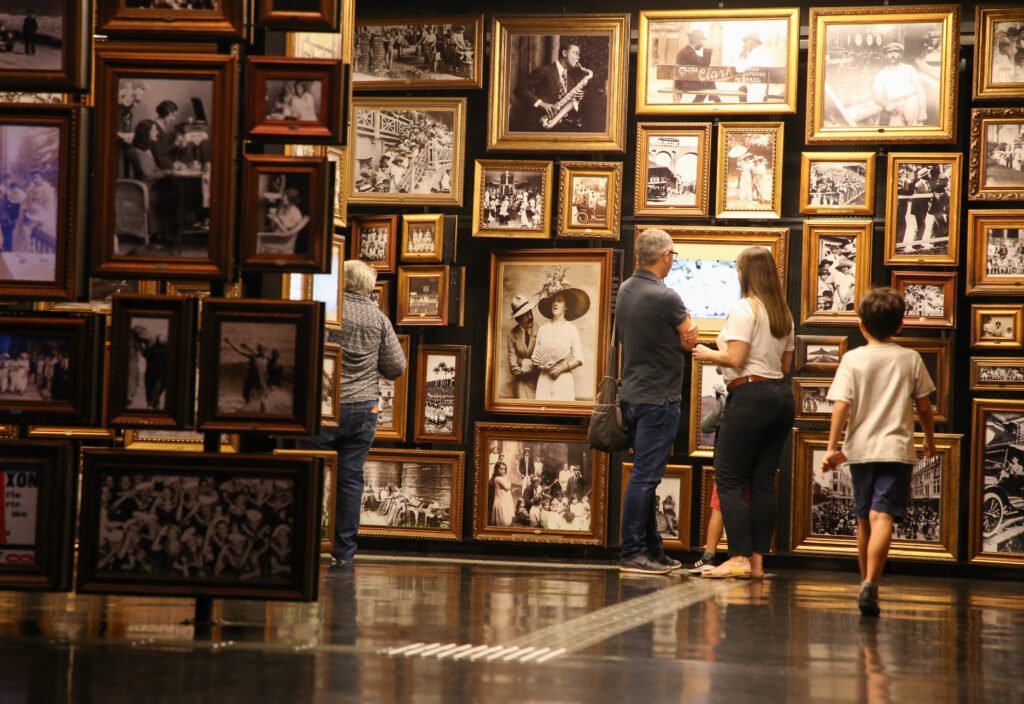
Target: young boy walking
876,388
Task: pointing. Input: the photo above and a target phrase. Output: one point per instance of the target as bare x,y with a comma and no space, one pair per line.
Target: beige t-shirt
748,322
880,382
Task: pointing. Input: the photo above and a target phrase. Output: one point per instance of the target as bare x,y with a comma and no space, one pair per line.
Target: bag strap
611,366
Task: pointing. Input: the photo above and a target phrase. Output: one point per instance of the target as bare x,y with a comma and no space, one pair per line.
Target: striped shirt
369,347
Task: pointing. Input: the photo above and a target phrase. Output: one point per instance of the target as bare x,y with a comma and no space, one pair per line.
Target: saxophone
565,104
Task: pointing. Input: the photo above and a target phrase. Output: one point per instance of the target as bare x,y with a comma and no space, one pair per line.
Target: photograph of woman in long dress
559,349
503,507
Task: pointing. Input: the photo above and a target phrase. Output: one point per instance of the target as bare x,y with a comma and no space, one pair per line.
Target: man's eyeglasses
672,252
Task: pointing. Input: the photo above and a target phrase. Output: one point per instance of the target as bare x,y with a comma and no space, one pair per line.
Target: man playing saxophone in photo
551,96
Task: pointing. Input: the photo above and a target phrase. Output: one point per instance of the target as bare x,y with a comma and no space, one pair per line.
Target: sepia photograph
407,150
930,297
837,182
995,252
512,199
423,295
431,53
1004,155
836,281
819,353
330,386
735,60
283,213
548,324
589,199
749,170
810,395
422,237
997,373
707,386
443,373
257,369
882,75
297,100
674,162
393,397
34,367
412,494
997,480
147,363
375,241
836,269
673,500
997,326
998,65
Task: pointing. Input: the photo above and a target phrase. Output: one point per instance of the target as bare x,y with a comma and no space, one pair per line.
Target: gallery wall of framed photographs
214,166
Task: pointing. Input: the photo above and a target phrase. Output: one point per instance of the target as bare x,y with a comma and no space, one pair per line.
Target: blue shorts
882,487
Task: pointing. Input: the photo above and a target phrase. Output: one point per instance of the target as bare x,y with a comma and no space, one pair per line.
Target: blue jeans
352,438
652,428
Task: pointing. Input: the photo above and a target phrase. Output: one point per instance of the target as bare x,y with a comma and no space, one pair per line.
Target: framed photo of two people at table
558,83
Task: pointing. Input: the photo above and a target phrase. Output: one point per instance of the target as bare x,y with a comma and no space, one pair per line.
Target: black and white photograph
837,184
283,213
673,169
440,394
1006,65
539,485
924,301
997,327
424,296
412,493
1004,154
1004,256
709,286
437,52
293,100
831,499
749,164
922,216
1001,373
373,244
196,525
589,200
837,266
812,398
34,367
32,35
164,174
257,369
1001,507
922,521
147,363
421,239
823,354
30,166
726,60
513,200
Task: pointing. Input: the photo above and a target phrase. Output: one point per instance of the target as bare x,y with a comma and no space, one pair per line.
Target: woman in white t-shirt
755,349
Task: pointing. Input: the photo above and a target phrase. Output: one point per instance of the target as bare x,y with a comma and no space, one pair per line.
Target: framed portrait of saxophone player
558,83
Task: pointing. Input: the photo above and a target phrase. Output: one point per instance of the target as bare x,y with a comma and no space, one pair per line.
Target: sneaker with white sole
669,562
642,564
701,566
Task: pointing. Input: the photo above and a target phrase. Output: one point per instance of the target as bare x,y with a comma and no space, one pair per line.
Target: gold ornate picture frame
995,53
706,382
673,169
937,355
589,199
512,198
422,238
997,373
375,241
922,209
749,170
810,396
995,255
819,353
995,170
837,270
997,326
837,183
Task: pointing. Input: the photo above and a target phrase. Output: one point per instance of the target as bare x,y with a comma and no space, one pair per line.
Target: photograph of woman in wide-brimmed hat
559,349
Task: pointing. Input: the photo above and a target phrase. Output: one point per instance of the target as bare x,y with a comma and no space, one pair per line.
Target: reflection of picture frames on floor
992,174
994,71
819,353
375,241
920,197
290,573
394,400
997,326
841,85
441,385
997,373
749,182
328,510
848,190
832,284
930,298
678,486
996,532
929,530
995,252
559,445
315,116
589,199
809,396
707,481
39,508
937,355
673,169
120,18
496,180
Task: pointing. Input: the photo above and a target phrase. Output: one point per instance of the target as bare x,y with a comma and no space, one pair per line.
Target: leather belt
741,380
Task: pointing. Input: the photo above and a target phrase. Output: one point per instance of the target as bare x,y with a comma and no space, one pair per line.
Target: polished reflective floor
406,630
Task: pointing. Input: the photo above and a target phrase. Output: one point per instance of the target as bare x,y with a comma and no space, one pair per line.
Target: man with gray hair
369,347
654,329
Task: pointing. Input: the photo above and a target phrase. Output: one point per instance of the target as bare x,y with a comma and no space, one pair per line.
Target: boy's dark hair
881,311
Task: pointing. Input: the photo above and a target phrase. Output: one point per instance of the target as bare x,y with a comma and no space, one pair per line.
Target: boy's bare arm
927,419
834,456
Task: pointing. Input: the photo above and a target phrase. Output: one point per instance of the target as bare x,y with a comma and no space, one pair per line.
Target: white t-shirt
880,382
766,352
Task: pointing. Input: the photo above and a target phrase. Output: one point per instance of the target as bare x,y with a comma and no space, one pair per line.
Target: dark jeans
351,439
757,420
652,428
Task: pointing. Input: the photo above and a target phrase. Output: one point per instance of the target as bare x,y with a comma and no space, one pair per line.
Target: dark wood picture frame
1010,337
68,173
362,224
255,317
325,18
116,18
1012,378
453,389
298,246
407,278
808,406
176,383
658,142
994,517
979,171
302,475
84,350
328,128
38,481
983,256
73,73
134,218
805,359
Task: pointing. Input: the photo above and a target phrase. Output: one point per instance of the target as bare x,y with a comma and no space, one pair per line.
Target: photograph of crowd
34,367
196,526
424,296
1002,499
162,194
29,175
373,244
406,494
421,239
996,327
439,398
1004,256
922,208
1006,53
539,485
283,213
413,52
924,301
837,184
995,373
256,369
403,151
32,35
147,363
512,200
885,74
750,175
673,166
1004,154
837,283
709,287
293,100
813,401
718,60
589,196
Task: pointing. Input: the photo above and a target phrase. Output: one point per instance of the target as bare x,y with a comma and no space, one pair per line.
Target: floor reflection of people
559,349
